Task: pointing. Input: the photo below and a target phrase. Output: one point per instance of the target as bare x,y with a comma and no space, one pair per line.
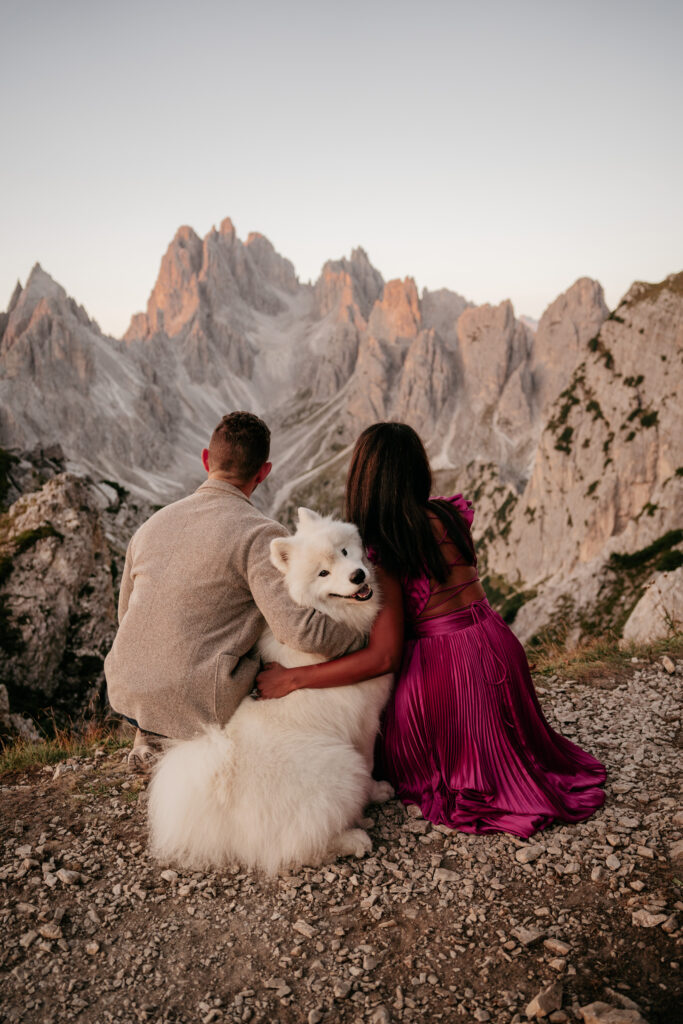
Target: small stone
677,819
603,1013
629,821
676,852
597,874
69,877
670,925
528,936
558,964
644,919
545,1002
528,854
613,839
92,948
380,1015
50,931
445,875
304,928
341,988
620,998
556,946
169,875
668,664
481,1015
645,851
558,1017
27,938
613,863
314,1016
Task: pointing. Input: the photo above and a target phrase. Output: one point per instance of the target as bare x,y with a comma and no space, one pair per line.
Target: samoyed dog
284,782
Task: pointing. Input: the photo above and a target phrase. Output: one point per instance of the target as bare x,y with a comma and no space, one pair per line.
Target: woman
463,735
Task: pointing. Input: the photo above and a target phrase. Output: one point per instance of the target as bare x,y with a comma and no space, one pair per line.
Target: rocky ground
433,926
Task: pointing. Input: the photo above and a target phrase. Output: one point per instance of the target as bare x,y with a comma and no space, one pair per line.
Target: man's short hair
239,445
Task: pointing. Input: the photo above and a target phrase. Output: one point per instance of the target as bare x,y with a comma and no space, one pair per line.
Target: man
197,589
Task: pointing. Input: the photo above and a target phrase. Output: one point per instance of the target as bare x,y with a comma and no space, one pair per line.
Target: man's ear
263,472
280,552
307,517
205,459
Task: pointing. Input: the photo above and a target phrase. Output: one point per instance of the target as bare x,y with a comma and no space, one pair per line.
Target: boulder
659,612
57,610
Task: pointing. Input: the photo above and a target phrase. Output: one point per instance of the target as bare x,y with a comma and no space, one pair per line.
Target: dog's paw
353,843
365,823
380,792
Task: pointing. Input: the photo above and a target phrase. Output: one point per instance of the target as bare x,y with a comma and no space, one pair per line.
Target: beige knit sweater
196,589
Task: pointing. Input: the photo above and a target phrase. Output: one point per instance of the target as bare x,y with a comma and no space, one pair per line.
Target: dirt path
433,926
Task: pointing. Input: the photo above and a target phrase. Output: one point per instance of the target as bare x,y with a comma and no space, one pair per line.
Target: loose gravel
582,922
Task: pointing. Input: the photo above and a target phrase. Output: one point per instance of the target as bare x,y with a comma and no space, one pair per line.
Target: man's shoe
147,748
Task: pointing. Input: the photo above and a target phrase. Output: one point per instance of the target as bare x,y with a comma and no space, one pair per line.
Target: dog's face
324,565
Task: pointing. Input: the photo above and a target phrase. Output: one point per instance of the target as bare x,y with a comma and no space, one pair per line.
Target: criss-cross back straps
450,591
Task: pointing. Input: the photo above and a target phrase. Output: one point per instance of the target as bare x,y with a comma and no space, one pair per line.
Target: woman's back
428,598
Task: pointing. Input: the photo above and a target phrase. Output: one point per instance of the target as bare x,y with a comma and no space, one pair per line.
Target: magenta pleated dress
463,735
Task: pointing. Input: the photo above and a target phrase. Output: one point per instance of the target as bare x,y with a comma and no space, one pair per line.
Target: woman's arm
383,653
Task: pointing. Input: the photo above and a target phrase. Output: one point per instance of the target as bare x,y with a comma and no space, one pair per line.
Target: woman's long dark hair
387,497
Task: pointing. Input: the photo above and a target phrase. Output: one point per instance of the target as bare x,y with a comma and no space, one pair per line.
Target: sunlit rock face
607,477
548,426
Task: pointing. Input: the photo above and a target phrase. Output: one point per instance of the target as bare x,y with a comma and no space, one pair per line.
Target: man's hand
275,681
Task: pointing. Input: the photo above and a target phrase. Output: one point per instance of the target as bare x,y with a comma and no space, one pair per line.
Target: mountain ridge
229,325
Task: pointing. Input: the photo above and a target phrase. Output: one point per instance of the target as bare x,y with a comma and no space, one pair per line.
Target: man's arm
302,628
126,583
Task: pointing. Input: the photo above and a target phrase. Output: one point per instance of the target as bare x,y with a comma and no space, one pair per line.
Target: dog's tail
190,789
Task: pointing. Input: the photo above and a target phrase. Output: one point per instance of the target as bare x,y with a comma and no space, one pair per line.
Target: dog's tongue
363,594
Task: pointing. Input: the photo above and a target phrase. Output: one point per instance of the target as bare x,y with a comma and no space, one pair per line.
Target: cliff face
564,435
607,477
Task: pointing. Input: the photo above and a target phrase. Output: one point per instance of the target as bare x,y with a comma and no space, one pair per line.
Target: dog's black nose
358,576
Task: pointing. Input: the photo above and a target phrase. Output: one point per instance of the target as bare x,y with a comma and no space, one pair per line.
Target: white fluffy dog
284,783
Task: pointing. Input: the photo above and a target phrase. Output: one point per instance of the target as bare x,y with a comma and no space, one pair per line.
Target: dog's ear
279,553
307,517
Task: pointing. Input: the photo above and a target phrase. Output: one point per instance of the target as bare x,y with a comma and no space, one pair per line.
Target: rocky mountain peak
563,333
644,291
26,326
397,314
348,284
277,270
227,230
174,297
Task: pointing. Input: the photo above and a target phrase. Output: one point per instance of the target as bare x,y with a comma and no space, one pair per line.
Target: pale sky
501,148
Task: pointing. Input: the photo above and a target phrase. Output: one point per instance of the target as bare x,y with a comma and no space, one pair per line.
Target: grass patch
27,539
599,657
564,441
638,558
503,597
669,561
20,755
643,291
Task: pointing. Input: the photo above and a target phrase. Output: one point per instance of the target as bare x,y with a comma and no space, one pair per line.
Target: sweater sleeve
302,628
126,583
